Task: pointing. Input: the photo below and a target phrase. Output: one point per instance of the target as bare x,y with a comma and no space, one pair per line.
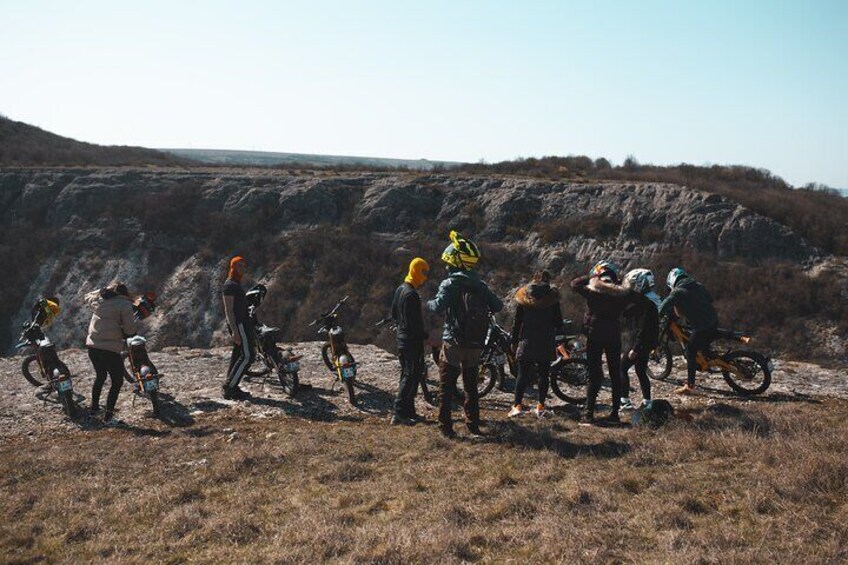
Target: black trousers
641,365
526,369
699,340
595,351
448,375
106,363
241,357
411,370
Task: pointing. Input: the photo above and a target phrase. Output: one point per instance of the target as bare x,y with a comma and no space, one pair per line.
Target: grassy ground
732,482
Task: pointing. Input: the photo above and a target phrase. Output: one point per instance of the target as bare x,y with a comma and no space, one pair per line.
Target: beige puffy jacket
112,320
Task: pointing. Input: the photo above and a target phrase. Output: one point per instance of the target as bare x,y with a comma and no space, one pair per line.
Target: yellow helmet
45,311
461,253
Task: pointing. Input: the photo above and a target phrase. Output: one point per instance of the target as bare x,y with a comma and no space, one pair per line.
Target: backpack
654,415
472,318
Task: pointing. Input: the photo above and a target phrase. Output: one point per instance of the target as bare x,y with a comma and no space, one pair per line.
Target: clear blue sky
762,83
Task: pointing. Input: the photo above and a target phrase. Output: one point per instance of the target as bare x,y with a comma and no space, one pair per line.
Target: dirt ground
279,480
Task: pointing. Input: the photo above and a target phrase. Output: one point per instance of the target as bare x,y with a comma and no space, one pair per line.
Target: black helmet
255,295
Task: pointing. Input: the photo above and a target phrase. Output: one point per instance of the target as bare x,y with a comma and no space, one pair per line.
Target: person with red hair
238,322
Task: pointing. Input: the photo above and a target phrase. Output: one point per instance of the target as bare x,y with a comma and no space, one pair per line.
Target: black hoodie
537,319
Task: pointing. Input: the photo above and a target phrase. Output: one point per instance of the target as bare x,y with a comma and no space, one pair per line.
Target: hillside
273,159
25,145
313,237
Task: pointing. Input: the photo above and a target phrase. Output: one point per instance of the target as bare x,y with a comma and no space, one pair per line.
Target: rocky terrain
315,236
192,388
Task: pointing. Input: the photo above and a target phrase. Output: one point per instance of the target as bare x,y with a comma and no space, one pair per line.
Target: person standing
410,336
238,322
538,318
466,302
111,323
643,316
605,301
691,300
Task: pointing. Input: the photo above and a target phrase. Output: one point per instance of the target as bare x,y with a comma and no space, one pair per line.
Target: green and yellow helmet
461,253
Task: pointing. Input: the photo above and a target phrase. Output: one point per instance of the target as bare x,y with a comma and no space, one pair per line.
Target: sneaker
112,423
447,432
400,420
685,389
647,403
626,404
540,411
516,410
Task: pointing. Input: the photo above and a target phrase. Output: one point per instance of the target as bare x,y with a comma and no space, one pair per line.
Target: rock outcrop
170,229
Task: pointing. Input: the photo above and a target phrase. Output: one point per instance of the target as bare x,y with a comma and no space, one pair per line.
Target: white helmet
674,276
640,280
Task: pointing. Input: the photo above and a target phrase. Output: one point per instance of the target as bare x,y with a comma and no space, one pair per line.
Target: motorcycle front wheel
288,381
26,370
156,402
68,404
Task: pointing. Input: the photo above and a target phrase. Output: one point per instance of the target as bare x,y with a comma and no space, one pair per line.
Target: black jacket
537,318
605,302
406,313
644,318
693,302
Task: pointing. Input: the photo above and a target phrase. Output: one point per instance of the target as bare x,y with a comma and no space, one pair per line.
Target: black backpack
472,318
654,415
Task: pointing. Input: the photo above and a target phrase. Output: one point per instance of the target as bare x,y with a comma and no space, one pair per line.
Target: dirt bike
335,353
274,358
429,388
43,354
496,355
570,370
143,374
746,372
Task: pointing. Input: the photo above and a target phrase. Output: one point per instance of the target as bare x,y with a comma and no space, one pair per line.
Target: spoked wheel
351,395
326,355
570,380
486,379
429,388
660,363
68,403
750,373
156,401
288,381
29,367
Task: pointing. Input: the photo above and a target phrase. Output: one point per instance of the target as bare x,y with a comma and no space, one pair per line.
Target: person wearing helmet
466,302
538,319
691,300
410,336
606,299
238,322
112,321
643,318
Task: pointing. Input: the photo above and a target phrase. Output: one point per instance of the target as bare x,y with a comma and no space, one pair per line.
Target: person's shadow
510,432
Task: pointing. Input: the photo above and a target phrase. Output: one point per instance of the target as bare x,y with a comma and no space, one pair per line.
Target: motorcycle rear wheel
68,403
660,363
753,376
486,379
570,380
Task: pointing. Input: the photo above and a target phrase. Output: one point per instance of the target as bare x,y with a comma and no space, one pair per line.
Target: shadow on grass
511,433
765,397
726,417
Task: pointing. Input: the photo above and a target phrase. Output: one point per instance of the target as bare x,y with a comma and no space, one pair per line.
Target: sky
758,83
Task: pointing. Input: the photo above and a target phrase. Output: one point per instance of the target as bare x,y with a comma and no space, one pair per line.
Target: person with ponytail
238,322
410,336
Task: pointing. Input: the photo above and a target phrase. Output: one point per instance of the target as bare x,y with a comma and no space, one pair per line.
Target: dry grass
738,482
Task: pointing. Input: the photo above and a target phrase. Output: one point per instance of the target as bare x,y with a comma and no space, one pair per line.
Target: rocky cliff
314,236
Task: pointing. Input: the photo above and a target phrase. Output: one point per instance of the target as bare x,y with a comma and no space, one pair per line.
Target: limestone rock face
104,234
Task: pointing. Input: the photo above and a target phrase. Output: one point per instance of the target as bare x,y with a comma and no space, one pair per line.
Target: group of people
466,302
